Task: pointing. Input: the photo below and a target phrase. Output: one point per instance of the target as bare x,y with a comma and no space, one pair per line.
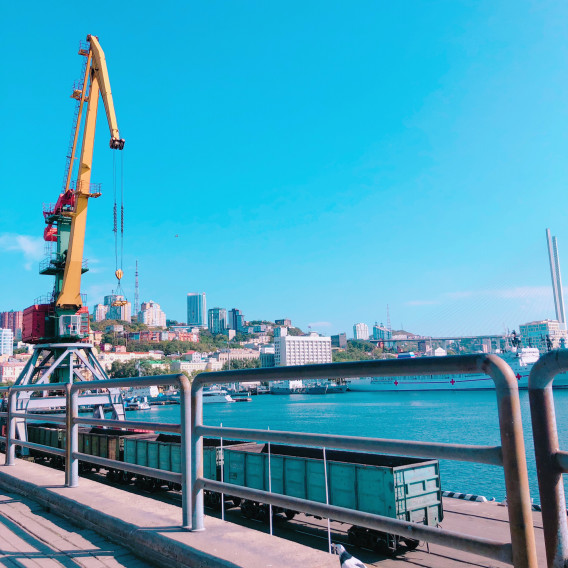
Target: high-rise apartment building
196,309
100,312
151,314
217,318
361,331
118,312
301,350
236,320
12,320
6,342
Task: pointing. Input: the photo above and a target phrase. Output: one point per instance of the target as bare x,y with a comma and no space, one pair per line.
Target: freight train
397,487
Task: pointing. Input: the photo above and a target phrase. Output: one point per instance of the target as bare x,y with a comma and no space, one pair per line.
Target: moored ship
521,362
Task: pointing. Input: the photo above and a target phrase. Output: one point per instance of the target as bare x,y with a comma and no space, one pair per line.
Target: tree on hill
241,364
134,368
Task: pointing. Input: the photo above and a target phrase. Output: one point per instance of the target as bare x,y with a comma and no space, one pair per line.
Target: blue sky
317,160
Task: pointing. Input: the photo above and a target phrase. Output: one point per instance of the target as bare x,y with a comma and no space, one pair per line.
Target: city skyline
378,161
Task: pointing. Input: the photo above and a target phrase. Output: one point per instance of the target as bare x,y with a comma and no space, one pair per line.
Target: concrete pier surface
31,495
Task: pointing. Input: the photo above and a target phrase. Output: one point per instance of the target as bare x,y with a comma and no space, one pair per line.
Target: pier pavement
43,523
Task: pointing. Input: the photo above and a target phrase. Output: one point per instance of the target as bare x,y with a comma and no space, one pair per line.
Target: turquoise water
466,417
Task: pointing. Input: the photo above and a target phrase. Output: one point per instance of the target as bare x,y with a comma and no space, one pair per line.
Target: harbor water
467,417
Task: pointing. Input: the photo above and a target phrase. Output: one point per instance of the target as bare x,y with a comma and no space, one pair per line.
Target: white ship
521,362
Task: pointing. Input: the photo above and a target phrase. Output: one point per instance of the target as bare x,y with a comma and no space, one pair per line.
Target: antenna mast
388,319
136,294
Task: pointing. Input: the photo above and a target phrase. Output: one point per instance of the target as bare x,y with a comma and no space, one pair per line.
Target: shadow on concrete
42,550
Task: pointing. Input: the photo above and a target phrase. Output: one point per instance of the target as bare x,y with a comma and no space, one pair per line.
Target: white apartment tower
151,314
301,350
361,331
6,342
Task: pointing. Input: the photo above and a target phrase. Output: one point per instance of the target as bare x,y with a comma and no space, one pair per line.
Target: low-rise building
339,340
10,370
544,334
107,358
236,355
302,350
267,356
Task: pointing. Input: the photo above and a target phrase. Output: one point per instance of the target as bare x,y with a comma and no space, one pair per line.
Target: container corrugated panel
129,450
141,452
88,443
95,445
164,456
176,457
33,434
153,456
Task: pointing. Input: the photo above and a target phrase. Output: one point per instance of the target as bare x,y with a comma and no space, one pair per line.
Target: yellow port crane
63,317
70,295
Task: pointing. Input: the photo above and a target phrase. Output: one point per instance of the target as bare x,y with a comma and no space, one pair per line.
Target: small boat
216,394
136,403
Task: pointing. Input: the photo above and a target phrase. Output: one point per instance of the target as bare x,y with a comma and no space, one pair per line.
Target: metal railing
521,551
71,421
510,454
551,462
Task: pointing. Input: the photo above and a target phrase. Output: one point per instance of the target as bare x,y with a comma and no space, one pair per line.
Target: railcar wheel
124,477
215,500
248,509
236,501
150,485
111,475
385,543
289,514
411,543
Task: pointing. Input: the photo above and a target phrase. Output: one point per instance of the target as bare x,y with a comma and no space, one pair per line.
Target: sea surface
465,417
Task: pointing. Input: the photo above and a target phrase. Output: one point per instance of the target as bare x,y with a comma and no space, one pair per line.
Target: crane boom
69,298
100,69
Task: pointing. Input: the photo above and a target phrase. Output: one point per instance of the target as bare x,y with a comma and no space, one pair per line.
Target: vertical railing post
186,451
545,435
72,445
514,462
196,456
11,428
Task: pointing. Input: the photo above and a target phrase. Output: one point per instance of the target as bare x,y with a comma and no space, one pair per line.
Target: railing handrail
523,545
550,462
72,422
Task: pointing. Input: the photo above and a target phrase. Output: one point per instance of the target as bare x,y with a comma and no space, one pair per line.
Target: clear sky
311,160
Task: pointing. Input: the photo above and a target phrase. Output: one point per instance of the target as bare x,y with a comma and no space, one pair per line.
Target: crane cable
118,254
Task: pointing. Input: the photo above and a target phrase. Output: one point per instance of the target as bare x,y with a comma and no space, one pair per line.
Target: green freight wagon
397,487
